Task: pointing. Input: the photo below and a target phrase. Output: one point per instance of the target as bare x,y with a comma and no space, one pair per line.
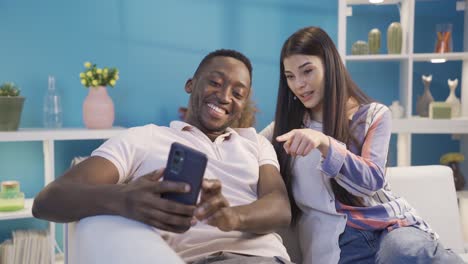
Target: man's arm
90,189
270,212
80,193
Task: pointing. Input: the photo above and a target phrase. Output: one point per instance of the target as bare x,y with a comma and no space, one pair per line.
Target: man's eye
238,95
215,84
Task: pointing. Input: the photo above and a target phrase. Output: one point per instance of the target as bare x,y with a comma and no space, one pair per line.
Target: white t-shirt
234,158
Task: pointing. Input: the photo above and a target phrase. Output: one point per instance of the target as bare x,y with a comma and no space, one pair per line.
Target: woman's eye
289,77
308,71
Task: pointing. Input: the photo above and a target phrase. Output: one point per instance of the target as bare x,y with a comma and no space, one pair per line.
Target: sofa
430,189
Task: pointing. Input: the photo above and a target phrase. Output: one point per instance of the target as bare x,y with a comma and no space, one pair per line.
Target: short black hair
225,53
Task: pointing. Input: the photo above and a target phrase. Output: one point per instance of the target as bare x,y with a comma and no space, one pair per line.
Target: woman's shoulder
373,110
369,114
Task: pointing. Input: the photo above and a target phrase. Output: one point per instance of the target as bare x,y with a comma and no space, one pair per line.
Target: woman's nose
300,83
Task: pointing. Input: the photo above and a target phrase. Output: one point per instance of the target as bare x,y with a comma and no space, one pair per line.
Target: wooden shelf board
452,56
421,125
366,2
39,134
24,213
377,57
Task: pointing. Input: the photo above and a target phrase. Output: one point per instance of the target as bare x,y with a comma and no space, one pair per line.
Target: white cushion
431,190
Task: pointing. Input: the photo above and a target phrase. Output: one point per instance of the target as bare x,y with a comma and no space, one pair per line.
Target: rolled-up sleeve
363,174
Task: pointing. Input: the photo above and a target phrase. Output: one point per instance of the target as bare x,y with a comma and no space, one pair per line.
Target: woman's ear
189,86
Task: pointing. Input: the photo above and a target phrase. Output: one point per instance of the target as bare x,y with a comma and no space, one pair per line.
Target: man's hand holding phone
214,208
143,203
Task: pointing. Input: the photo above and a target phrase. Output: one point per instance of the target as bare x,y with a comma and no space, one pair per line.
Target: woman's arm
362,174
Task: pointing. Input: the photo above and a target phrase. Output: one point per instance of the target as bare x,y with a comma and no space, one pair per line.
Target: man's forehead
228,67
224,61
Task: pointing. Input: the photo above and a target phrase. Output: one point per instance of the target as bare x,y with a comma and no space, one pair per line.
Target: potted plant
98,108
452,160
11,106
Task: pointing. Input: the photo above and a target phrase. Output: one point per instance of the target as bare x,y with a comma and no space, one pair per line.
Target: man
243,198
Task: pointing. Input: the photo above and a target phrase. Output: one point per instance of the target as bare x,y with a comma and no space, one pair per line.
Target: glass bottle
52,106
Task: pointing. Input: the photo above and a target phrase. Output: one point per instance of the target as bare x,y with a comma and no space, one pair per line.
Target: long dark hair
339,88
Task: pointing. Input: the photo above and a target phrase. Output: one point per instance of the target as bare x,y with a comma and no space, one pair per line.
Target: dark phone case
191,171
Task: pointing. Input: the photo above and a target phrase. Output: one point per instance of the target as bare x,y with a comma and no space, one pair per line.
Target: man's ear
189,86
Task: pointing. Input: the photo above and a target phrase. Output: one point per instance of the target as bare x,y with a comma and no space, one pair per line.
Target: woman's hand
300,142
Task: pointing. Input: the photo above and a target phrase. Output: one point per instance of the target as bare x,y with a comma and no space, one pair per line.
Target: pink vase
98,109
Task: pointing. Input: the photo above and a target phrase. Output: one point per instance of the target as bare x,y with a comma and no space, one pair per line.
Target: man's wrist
115,202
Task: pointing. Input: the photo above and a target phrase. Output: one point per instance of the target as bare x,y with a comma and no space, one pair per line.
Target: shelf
421,125
377,57
39,134
452,56
24,213
366,2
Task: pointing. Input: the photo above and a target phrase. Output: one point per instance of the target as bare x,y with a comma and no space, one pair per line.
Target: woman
332,143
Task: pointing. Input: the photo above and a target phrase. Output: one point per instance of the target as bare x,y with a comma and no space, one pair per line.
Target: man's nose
225,95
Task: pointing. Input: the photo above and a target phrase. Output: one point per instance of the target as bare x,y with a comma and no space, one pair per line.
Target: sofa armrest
431,191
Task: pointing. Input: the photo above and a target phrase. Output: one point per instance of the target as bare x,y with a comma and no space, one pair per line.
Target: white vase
452,98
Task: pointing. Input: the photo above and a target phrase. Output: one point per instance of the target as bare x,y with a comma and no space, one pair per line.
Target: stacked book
26,246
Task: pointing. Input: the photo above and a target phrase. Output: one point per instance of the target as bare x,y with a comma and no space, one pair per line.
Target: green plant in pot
11,106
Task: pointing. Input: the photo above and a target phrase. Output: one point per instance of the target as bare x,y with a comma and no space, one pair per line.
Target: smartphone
188,165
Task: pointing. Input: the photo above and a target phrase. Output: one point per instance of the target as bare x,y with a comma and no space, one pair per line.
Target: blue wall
157,45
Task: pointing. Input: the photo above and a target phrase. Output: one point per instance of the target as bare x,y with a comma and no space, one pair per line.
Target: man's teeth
217,109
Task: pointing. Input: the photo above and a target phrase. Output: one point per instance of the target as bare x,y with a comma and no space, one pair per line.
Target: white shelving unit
48,137
404,128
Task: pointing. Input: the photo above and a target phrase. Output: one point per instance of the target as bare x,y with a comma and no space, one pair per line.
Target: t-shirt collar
183,126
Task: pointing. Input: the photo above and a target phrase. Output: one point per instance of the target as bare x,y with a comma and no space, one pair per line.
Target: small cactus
374,37
360,47
394,38
9,89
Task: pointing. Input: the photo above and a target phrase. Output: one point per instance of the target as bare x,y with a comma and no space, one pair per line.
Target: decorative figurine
374,37
452,98
422,106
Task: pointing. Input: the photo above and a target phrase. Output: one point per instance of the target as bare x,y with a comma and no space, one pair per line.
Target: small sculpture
374,37
360,47
396,109
452,98
422,106
394,38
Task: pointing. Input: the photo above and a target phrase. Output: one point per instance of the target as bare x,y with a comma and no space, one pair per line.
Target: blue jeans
402,245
